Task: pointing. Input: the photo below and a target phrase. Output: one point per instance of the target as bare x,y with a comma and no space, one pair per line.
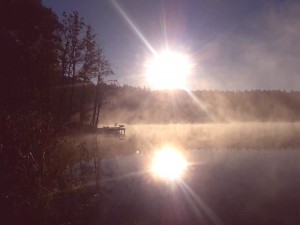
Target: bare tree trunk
72,89
93,121
62,92
82,100
94,111
97,113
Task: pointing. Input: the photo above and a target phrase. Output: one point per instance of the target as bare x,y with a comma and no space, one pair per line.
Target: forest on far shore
140,105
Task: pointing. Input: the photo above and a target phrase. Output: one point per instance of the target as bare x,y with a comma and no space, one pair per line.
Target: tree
64,61
80,62
89,68
28,44
104,69
38,54
71,53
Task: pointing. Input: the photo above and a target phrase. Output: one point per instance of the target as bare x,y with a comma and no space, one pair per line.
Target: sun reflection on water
168,163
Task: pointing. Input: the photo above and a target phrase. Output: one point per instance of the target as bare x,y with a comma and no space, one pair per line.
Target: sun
168,164
168,70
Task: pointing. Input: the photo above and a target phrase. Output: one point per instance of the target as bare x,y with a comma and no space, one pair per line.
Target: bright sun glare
168,70
168,164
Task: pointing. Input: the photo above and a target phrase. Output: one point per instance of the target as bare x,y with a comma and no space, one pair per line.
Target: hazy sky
234,44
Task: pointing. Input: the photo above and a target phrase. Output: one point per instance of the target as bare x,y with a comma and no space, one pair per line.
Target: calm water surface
219,187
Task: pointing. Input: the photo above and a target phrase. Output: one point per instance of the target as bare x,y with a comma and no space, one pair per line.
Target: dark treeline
140,105
52,73
47,65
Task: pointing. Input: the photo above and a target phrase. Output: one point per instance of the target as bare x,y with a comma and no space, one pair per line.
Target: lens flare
169,164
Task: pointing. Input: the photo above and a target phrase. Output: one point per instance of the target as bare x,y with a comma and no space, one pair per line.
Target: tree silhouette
89,68
104,69
75,30
28,43
43,62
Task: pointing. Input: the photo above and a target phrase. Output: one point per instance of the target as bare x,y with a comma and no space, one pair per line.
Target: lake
238,174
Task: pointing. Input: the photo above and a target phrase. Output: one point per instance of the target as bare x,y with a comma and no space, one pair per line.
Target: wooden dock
116,130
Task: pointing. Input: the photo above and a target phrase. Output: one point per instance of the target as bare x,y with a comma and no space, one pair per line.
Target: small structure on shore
118,129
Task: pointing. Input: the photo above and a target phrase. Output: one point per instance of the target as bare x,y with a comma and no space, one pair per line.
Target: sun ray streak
202,205
164,26
133,26
200,104
193,205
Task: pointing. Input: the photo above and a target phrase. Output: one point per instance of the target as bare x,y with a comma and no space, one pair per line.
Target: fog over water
238,173
218,135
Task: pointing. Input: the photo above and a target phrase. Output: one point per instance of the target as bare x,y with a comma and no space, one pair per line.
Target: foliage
81,60
33,164
47,67
138,105
41,172
28,54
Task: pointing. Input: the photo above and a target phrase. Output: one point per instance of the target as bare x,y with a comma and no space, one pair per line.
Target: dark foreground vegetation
47,66
53,76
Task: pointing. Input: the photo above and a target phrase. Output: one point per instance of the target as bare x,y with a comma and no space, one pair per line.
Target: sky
233,44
